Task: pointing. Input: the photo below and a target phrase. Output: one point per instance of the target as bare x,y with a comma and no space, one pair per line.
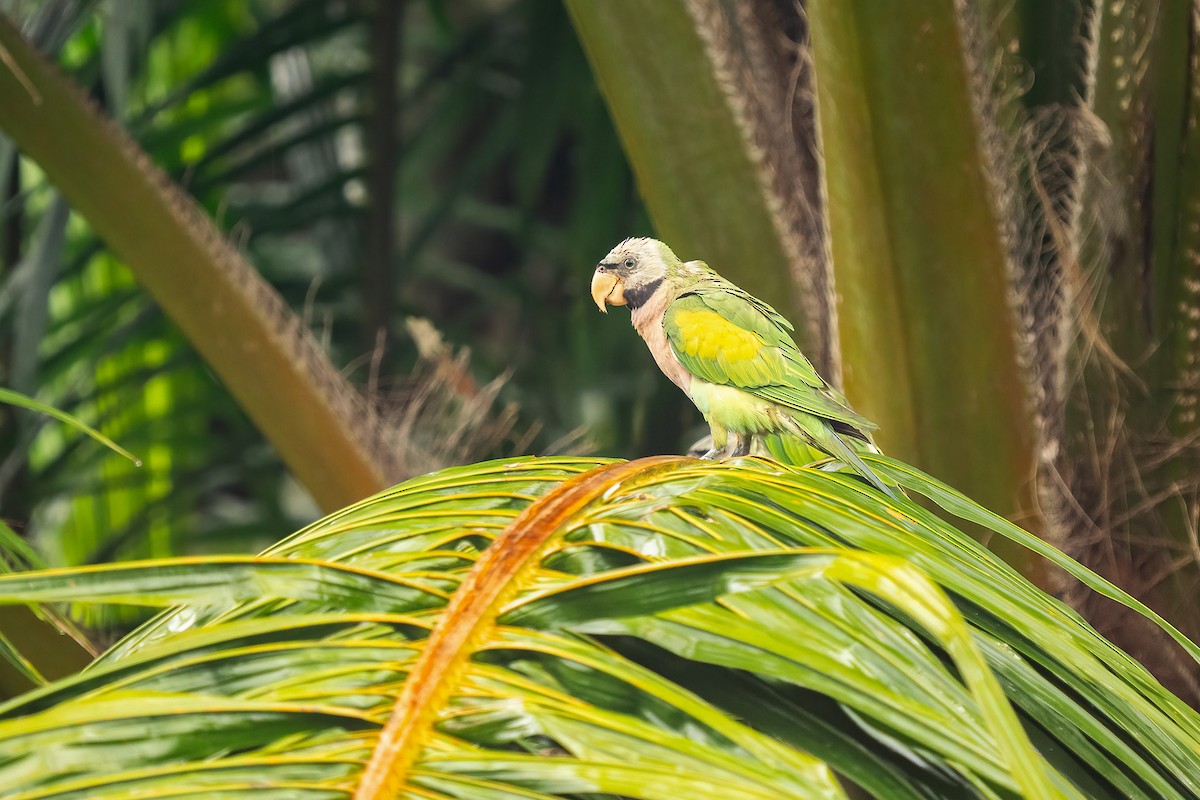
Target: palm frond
561,626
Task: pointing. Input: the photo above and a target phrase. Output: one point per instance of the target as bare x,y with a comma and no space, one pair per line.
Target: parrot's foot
743,447
712,455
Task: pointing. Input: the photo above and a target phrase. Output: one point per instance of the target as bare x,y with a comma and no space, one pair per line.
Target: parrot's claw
742,448
712,455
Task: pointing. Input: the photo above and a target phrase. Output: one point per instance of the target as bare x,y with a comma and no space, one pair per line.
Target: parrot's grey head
631,272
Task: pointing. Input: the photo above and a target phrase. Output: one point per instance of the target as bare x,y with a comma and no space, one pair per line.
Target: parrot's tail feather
833,444
858,439
847,454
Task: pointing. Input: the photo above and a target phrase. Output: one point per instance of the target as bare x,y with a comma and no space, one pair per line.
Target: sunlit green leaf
762,629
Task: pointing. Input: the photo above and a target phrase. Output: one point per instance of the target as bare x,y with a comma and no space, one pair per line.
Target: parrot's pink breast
648,321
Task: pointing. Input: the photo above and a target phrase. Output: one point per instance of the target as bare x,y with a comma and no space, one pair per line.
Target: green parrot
731,353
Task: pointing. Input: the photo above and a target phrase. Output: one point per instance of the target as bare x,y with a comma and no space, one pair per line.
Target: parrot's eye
630,263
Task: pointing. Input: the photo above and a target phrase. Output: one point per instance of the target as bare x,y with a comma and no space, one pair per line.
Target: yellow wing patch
706,334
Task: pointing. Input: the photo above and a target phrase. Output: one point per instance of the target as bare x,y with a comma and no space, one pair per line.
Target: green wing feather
754,351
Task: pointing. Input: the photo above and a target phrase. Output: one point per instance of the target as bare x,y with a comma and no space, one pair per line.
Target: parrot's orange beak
607,289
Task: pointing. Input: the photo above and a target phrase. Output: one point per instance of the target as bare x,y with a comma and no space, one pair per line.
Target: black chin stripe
636,296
